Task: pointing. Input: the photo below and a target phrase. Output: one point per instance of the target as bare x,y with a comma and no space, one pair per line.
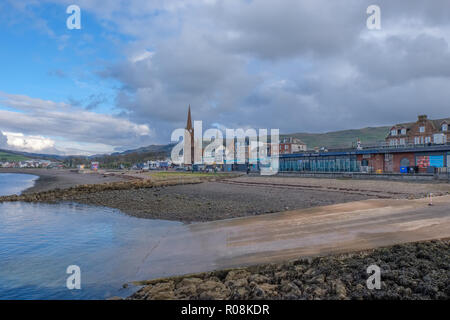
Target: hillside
342,139
336,139
6,156
154,148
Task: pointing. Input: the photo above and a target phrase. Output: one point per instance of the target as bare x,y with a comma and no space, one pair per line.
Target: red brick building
423,131
291,145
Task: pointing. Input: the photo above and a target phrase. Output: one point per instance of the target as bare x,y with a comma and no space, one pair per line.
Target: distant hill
342,139
28,155
7,156
330,140
157,148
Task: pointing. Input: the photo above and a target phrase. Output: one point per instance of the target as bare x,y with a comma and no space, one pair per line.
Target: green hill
342,139
4,156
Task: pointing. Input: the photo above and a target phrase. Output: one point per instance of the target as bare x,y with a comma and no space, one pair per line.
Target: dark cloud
294,65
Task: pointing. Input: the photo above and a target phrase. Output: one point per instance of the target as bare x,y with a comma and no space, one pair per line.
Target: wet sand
301,226
408,271
416,271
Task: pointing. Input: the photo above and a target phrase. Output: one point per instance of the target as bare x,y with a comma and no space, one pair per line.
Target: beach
273,208
194,197
413,271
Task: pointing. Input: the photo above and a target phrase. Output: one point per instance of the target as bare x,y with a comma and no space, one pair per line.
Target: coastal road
292,234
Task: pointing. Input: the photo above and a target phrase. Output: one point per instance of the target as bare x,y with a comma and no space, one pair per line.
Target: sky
126,78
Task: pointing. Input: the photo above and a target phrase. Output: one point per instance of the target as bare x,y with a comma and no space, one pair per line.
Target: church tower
190,138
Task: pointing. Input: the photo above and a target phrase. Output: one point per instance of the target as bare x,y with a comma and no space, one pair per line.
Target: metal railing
384,145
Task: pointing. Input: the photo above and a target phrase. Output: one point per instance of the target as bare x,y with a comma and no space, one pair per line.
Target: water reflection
39,241
15,183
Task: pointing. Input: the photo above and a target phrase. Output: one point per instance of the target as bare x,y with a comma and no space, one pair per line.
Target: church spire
189,120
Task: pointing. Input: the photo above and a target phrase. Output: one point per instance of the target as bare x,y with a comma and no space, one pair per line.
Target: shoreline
189,198
51,179
411,271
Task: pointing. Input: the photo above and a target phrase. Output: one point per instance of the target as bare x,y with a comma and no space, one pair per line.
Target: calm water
13,183
39,241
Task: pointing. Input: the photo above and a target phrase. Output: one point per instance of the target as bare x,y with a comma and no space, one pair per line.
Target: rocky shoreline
408,271
189,200
194,197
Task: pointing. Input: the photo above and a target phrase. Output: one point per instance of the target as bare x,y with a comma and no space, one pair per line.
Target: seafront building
421,147
417,147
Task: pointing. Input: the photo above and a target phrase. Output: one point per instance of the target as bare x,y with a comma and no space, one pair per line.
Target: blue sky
60,66
126,78
45,60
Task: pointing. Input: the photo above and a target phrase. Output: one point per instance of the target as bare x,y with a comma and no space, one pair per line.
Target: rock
237,274
186,292
264,291
258,278
212,290
340,289
189,281
290,288
310,272
236,283
318,279
319,293
239,293
281,275
160,291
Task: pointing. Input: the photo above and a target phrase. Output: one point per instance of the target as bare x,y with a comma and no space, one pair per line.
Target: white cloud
37,118
295,65
19,141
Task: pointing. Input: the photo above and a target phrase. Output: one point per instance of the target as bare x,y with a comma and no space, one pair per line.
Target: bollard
431,200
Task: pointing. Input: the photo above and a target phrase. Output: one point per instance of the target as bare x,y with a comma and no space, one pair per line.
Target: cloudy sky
126,78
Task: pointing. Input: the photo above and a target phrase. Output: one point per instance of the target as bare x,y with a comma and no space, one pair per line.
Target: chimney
422,117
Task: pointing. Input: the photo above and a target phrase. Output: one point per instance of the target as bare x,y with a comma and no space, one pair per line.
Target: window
416,140
393,132
403,131
444,127
402,141
427,139
440,138
422,129
404,162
